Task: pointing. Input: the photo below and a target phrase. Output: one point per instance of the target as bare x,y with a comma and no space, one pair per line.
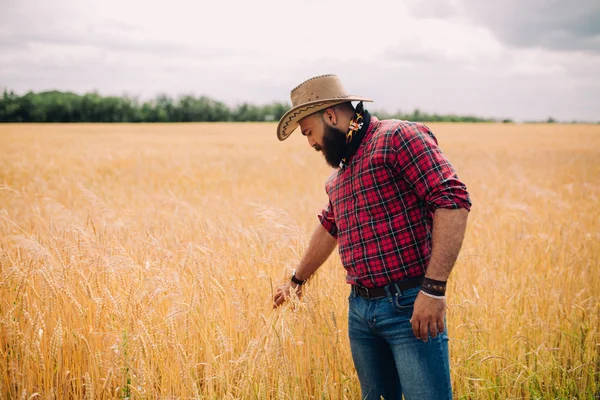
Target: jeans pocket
405,302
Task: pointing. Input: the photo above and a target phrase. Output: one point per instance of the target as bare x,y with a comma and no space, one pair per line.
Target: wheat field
139,261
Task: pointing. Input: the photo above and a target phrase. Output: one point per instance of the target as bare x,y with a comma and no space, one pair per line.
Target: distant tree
54,106
8,106
247,112
416,115
274,111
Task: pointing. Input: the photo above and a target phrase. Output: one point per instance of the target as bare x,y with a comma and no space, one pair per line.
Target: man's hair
342,107
345,107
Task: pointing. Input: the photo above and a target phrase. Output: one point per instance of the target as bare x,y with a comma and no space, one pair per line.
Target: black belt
373,293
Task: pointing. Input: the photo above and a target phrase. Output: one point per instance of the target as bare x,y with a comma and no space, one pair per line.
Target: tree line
55,106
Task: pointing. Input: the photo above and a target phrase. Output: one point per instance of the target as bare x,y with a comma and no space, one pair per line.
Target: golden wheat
139,261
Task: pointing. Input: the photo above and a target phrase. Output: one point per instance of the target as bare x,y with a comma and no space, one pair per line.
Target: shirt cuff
328,225
451,203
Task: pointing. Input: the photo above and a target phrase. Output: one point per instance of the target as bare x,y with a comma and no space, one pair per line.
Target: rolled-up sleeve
327,219
425,168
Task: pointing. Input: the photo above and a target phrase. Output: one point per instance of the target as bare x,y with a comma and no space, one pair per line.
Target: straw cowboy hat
310,96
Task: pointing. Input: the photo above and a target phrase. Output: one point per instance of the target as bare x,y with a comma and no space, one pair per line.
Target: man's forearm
320,247
448,233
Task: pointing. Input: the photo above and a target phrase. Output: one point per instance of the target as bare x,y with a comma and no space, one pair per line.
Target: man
398,213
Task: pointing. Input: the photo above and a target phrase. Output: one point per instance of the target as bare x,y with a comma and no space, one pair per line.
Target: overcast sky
524,59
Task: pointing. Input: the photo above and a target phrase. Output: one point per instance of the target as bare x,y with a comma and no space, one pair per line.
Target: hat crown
324,87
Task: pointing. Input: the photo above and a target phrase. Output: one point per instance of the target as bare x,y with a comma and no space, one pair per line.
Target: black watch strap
297,281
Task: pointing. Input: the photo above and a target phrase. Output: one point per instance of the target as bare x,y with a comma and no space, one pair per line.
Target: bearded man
398,213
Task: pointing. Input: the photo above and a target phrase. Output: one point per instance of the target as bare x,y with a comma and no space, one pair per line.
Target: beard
334,146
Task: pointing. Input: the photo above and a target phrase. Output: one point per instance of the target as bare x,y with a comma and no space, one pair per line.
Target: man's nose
311,141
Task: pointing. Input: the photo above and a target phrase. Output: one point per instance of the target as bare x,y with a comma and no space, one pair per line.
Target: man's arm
446,239
447,236
321,245
422,164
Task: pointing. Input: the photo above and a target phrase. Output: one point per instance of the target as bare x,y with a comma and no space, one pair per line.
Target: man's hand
428,317
320,247
284,291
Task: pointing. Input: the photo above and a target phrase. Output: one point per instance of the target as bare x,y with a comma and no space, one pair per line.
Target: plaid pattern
381,205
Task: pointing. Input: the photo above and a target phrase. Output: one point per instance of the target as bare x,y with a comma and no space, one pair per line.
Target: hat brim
289,122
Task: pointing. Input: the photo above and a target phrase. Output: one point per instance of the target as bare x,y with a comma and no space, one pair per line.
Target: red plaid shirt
381,205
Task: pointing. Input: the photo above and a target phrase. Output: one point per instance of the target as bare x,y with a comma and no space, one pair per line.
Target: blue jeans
389,359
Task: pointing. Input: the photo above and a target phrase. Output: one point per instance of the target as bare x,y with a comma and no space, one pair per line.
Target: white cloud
431,55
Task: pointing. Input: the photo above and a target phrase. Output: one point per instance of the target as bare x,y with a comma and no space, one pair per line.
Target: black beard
334,146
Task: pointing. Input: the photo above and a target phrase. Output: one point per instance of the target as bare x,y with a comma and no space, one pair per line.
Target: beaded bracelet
433,296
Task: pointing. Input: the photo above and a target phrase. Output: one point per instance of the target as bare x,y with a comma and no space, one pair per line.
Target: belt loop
368,293
388,292
398,291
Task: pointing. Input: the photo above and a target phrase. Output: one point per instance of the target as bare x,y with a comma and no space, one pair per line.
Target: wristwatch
296,280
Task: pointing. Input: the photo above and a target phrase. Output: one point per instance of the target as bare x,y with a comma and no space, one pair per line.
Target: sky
520,59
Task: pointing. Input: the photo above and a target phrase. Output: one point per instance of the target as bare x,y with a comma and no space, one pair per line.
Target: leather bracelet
433,287
432,292
296,280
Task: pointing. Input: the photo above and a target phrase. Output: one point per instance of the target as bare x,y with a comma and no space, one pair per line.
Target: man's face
326,138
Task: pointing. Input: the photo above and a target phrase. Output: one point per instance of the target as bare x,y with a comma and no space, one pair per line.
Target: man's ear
329,115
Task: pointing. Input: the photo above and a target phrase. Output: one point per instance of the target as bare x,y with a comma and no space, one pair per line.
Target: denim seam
441,360
395,302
